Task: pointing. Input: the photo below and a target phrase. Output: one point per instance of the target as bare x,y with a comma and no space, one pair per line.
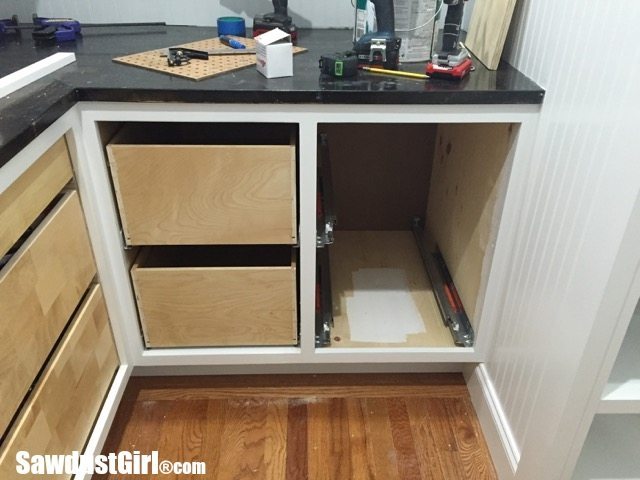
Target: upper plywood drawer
22,202
40,288
177,187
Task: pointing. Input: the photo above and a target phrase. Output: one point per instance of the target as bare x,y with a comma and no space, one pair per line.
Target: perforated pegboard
196,69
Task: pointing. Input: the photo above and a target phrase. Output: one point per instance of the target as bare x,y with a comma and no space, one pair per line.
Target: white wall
584,179
319,14
306,13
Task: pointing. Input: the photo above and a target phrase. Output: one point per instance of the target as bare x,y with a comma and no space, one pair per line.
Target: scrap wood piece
196,69
488,29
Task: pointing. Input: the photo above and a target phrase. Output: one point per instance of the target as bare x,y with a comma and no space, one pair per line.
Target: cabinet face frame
307,117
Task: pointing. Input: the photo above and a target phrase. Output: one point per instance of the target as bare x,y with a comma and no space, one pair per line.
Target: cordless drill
451,61
380,48
279,18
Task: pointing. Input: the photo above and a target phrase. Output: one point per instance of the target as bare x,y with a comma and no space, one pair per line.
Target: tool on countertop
60,30
178,56
398,73
382,47
279,18
57,30
452,61
339,65
231,26
9,25
232,42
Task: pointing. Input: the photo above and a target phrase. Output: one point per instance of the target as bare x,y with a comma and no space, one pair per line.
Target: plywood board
469,175
488,30
196,69
379,184
354,250
62,409
39,290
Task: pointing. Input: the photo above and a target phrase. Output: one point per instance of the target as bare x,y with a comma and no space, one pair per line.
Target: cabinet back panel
380,173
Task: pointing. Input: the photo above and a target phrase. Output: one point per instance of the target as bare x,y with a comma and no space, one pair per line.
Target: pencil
396,72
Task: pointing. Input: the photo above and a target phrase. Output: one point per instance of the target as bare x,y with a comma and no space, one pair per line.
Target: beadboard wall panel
584,178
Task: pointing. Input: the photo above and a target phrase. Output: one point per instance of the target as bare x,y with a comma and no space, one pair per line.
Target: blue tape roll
231,26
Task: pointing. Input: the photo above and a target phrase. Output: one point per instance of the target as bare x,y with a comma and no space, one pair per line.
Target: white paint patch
382,309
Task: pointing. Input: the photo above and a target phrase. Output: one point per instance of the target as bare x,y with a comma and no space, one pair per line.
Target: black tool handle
385,16
280,7
452,22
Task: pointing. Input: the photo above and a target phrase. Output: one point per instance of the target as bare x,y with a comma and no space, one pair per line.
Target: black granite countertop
95,77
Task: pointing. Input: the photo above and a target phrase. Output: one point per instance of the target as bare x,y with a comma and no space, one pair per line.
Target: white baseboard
495,426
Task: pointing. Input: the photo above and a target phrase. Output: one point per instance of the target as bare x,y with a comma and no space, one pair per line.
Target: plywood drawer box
40,288
198,194
22,202
60,413
220,296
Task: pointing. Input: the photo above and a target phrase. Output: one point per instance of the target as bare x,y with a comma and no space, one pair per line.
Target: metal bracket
378,45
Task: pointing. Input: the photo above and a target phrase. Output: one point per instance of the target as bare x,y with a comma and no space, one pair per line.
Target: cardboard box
274,54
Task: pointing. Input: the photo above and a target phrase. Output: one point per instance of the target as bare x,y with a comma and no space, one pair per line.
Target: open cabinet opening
390,197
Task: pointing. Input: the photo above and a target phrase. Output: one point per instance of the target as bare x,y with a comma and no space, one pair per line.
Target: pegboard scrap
196,69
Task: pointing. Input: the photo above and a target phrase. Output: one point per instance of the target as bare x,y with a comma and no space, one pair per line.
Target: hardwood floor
316,427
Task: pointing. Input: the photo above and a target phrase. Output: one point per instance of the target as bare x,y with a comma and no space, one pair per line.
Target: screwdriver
232,42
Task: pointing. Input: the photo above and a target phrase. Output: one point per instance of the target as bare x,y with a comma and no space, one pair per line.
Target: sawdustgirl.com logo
121,463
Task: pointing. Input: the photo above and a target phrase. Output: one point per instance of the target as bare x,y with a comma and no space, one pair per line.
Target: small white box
274,54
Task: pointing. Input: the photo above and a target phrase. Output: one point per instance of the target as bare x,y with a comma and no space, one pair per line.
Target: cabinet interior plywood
488,30
355,250
380,173
468,180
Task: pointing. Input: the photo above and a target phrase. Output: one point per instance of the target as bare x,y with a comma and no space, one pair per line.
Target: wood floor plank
141,430
215,422
253,446
183,432
446,445
194,387
328,439
275,452
473,451
362,468
297,465
278,392
380,449
408,465
333,431
426,446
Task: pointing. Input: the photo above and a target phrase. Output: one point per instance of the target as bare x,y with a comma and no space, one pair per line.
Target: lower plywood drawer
40,288
224,296
60,413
